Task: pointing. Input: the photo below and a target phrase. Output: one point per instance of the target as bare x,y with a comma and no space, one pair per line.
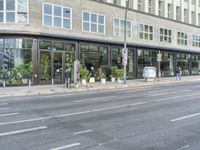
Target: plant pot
83,81
24,81
113,79
103,81
119,80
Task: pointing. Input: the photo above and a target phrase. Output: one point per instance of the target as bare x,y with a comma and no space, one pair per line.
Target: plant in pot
102,75
114,72
83,74
26,72
120,75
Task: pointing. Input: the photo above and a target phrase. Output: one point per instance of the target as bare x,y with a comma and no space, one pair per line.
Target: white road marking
159,94
11,114
22,131
184,147
66,146
82,132
92,99
1,104
185,117
112,141
4,108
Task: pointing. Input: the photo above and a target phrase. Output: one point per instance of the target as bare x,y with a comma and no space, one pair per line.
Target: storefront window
95,56
146,58
166,65
58,46
45,45
195,64
16,61
117,57
182,60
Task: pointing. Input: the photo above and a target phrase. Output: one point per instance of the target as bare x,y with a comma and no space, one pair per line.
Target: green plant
101,73
84,72
44,67
120,73
114,71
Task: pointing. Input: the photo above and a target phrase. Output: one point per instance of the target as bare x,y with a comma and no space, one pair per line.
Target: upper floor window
139,5
92,22
196,41
14,11
119,27
57,16
181,38
165,35
145,32
150,6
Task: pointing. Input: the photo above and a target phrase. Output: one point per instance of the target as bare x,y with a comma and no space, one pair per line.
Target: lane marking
185,117
11,114
4,108
184,147
109,142
22,131
1,104
159,94
92,99
82,132
66,146
95,110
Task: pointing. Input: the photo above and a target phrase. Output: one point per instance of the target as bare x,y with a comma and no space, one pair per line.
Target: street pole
125,46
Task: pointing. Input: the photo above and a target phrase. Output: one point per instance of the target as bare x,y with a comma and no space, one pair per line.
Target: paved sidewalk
61,89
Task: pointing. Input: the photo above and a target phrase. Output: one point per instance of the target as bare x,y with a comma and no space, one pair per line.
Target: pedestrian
92,76
178,73
68,77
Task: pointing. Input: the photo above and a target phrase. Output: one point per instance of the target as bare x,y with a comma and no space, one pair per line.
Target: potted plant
114,73
120,75
102,75
83,74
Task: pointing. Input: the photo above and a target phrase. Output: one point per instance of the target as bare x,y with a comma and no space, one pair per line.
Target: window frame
146,33
53,16
90,22
168,36
120,27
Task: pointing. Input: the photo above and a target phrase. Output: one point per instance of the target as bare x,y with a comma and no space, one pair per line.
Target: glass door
57,68
45,67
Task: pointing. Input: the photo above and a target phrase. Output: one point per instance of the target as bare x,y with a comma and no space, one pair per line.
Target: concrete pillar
189,11
155,7
165,8
135,4
146,6
174,9
182,10
196,13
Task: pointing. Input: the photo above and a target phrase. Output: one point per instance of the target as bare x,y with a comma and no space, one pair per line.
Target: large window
182,38
15,60
145,32
165,35
196,41
14,11
92,22
57,16
167,64
195,64
119,27
182,60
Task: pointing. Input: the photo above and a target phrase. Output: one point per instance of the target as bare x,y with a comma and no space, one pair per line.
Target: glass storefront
167,64
195,64
146,58
16,60
92,55
55,57
182,60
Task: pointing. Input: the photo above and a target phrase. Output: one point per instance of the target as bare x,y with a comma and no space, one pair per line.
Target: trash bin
149,73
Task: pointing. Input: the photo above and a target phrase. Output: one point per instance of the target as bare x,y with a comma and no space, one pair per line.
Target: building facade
40,38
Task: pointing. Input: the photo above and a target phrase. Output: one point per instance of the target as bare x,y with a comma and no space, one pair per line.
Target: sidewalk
61,89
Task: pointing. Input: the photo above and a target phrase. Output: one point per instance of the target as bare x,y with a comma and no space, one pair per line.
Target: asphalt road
163,117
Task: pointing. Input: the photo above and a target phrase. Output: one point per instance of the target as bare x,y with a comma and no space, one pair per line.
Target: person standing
178,74
68,77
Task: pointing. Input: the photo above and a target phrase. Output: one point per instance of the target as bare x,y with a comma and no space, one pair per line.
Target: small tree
83,72
114,71
120,74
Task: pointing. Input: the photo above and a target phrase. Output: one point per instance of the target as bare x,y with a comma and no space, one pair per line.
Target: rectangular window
150,6
92,22
14,11
165,35
139,5
160,8
119,28
178,13
57,16
146,32
196,40
182,38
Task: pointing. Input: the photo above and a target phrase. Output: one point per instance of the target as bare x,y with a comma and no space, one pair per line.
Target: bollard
29,83
4,85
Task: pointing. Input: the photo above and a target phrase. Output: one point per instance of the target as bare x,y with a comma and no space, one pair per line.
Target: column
189,11
165,8
146,6
155,7
182,10
174,9
196,13
134,4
